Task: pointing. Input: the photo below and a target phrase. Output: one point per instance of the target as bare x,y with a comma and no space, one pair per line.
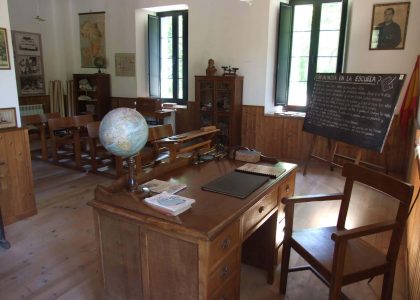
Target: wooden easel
333,148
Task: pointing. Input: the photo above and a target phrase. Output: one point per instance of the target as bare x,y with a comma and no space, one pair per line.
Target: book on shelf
272,171
160,186
169,204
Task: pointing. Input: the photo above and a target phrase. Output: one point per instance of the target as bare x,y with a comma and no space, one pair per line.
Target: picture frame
4,50
28,63
8,117
389,26
92,39
125,64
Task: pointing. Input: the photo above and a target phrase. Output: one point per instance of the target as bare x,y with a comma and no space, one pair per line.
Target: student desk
187,141
196,255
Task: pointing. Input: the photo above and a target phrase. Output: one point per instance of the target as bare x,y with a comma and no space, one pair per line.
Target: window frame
313,52
175,87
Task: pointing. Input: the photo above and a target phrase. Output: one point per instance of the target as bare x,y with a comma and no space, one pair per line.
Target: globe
123,132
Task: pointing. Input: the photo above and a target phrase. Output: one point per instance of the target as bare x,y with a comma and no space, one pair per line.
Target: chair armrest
363,231
312,198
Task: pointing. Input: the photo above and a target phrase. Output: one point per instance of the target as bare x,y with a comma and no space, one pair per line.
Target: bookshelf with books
219,103
92,94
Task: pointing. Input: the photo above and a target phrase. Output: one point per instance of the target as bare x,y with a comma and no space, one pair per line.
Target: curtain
70,98
57,97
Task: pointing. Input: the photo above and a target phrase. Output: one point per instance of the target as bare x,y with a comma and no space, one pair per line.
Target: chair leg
388,284
335,290
285,258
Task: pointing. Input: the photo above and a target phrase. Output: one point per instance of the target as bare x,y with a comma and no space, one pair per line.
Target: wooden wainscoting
282,136
42,99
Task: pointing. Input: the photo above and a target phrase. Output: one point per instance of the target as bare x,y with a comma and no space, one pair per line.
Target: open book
272,171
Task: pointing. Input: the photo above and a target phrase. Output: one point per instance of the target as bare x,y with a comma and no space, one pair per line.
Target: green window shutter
283,53
154,56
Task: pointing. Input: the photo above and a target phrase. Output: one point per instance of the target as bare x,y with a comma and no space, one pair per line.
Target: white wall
229,31
362,60
8,95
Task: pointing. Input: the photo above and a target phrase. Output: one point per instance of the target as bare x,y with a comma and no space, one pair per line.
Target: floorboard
53,254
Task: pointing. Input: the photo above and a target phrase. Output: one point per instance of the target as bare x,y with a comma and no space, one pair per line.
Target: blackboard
355,109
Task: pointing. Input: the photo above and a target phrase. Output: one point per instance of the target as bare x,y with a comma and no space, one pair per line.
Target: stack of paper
169,204
159,186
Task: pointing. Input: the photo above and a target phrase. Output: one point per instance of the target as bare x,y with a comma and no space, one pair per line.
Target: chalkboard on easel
356,109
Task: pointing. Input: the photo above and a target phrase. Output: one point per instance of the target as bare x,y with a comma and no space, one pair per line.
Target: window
168,40
310,40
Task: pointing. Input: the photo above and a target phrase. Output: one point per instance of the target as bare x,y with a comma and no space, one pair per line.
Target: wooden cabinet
92,94
17,198
219,102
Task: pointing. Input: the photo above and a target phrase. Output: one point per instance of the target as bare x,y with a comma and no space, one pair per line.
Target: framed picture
389,26
28,63
125,64
4,50
8,117
92,39
27,43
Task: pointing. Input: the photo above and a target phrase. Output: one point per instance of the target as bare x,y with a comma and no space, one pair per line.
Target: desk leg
77,149
44,149
172,152
3,243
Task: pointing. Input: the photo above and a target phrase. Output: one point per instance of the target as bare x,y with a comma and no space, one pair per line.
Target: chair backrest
93,129
391,186
160,132
47,116
60,123
82,120
31,119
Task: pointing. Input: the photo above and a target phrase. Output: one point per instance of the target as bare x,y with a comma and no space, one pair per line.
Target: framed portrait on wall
389,26
28,63
4,50
92,39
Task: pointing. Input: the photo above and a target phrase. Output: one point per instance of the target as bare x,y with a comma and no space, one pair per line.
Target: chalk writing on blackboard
353,108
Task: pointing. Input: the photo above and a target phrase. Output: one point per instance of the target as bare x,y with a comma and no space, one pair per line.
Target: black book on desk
236,184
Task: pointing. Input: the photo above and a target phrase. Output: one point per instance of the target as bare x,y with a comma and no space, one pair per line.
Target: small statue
211,69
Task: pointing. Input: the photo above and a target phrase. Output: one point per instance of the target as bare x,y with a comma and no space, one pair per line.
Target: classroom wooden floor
53,254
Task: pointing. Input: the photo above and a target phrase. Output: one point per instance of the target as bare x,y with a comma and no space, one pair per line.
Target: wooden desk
158,115
182,143
196,255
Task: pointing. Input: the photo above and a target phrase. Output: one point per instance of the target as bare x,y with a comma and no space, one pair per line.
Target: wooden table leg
77,149
3,243
44,148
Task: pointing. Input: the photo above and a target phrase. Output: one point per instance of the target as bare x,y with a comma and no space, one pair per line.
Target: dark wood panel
283,137
42,99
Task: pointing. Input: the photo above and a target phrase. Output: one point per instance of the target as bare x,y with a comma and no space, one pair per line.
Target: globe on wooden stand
124,132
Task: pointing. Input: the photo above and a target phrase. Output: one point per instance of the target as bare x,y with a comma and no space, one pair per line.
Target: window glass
301,40
166,48
329,37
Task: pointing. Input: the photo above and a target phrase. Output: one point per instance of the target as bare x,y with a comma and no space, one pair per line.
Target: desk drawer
223,243
256,213
229,291
286,189
224,271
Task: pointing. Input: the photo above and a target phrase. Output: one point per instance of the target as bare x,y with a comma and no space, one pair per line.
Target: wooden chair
38,128
339,256
63,131
157,133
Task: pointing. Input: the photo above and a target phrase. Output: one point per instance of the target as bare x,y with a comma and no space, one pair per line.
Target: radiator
33,109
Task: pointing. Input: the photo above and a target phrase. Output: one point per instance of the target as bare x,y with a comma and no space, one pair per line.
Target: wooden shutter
154,56
283,53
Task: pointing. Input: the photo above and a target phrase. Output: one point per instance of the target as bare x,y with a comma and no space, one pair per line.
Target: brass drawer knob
225,243
224,272
261,209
